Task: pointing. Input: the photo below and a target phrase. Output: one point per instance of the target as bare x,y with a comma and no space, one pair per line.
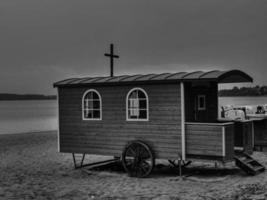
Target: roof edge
235,72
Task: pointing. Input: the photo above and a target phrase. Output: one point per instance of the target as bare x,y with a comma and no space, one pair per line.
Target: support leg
180,167
82,160
74,161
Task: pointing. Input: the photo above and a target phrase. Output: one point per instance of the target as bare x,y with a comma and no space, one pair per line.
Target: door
195,103
201,102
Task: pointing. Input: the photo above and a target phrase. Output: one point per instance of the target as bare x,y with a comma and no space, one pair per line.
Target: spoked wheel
138,159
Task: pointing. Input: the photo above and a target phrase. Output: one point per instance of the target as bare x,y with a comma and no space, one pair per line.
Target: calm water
239,101
28,116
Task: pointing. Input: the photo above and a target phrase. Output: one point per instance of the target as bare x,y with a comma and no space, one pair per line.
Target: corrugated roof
232,76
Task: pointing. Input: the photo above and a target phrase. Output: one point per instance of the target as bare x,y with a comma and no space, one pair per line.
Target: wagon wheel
138,159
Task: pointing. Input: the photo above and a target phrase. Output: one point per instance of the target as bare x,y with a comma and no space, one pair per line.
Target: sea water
241,101
28,116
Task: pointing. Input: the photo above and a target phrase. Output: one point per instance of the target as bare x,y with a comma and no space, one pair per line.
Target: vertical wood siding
243,135
229,142
109,136
260,136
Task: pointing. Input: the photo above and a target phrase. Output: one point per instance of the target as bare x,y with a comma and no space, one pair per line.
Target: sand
31,168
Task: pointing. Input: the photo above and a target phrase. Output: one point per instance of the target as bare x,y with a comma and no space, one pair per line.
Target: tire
138,159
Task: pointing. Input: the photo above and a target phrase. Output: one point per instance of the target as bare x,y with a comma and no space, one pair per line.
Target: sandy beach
32,168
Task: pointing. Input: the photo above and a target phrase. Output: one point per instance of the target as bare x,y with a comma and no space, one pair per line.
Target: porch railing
210,140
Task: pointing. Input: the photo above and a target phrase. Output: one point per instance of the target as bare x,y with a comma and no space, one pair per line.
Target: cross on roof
112,56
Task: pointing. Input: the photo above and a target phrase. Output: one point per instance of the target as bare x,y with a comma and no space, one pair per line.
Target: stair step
248,160
259,168
248,164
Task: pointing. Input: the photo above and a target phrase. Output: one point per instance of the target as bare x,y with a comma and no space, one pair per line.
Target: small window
91,106
201,101
137,105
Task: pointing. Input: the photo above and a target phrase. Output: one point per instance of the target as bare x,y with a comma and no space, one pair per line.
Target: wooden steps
248,164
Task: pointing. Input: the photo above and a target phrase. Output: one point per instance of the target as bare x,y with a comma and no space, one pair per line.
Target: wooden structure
141,118
258,124
259,129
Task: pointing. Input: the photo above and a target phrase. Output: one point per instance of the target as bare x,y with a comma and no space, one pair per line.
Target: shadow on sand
165,170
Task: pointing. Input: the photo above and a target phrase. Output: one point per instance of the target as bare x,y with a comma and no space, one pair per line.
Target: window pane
133,103
134,112
132,117
142,104
85,113
201,102
89,95
96,104
95,95
133,95
141,94
143,114
85,103
90,105
96,114
88,114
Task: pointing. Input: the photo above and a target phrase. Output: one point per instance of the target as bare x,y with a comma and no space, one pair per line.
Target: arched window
92,105
137,105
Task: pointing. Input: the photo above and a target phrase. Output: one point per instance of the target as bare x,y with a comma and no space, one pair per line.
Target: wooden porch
217,141
210,140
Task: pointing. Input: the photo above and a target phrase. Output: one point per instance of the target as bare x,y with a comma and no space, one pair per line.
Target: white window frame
198,102
147,105
100,105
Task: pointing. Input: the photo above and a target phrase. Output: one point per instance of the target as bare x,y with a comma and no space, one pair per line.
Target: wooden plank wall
109,136
244,135
229,142
260,127
203,140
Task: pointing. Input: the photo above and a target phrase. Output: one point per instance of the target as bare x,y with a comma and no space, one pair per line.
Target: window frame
127,105
100,106
204,102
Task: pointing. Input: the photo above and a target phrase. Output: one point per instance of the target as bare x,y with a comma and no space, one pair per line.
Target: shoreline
242,96
30,132
27,99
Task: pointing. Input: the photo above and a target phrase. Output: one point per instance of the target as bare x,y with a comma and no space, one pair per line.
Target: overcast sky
43,41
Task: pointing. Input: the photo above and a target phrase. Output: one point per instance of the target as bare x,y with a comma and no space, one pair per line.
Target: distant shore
244,91
15,97
244,96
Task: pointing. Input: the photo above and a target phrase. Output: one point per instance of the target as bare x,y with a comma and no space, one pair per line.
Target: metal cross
112,56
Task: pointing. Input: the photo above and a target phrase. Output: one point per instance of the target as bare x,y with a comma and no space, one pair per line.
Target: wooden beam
58,132
223,141
182,120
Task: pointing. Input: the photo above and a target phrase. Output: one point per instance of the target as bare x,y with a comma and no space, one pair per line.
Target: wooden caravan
141,118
